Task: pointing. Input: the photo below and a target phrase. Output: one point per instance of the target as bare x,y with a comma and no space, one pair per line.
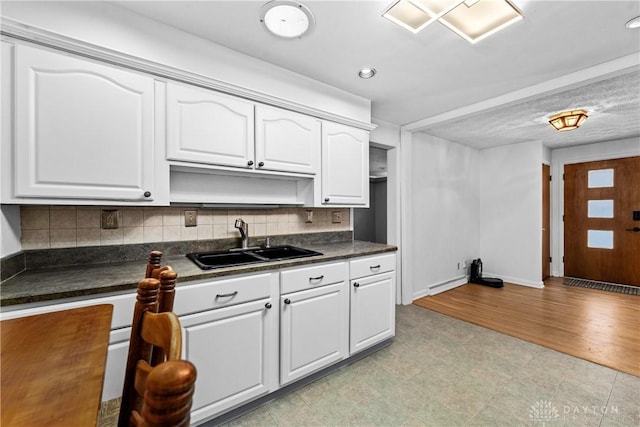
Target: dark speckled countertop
86,280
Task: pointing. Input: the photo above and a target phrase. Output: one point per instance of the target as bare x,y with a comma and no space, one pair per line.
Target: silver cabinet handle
230,294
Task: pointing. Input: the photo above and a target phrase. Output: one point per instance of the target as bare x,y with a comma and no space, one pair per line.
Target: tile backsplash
48,227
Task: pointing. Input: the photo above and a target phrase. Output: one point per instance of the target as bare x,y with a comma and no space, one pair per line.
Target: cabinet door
235,351
372,310
83,130
204,126
314,330
345,165
116,364
287,141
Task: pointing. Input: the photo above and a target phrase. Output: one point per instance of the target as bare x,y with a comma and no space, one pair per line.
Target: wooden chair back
156,337
169,393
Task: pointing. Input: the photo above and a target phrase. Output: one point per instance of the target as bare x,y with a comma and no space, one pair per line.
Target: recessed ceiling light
287,18
367,73
633,23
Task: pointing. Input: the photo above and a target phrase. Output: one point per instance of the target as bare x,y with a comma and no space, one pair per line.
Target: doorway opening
370,224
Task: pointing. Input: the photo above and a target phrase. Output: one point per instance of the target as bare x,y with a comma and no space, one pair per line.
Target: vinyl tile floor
441,371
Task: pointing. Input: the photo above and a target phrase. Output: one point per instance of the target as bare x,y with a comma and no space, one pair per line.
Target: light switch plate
190,218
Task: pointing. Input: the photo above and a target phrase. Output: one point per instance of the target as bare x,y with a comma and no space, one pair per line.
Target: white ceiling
422,77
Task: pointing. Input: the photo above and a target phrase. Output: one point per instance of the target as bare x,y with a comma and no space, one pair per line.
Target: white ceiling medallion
473,20
287,19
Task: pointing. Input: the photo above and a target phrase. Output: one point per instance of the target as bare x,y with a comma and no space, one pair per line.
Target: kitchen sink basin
221,259
210,260
284,252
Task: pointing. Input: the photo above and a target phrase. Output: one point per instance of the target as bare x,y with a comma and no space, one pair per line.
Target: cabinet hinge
563,177
562,218
563,259
550,259
550,178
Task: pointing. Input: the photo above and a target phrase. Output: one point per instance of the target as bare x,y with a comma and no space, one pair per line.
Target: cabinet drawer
222,293
311,277
123,305
372,265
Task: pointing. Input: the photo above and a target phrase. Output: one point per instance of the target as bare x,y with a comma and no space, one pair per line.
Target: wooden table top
52,367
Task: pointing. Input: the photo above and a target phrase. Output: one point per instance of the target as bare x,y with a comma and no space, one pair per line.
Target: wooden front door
546,221
602,220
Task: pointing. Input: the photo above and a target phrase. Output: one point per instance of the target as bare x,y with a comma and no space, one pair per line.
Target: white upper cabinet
207,127
287,141
345,165
82,131
211,128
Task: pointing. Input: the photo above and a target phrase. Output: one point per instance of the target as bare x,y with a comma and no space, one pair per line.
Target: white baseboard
436,288
517,281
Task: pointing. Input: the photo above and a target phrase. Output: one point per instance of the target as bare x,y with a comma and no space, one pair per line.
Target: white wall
9,230
511,212
442,220
387,135
584,153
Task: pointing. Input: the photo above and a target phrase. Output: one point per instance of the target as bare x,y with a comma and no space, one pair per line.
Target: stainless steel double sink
236,257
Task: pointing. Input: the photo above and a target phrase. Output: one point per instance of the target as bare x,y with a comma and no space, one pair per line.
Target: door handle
634,229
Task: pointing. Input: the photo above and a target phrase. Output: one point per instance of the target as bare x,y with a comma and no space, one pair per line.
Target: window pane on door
600,209
600,178
602,239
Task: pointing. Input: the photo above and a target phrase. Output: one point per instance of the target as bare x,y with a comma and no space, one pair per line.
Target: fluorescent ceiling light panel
481,19
407,15
436,8
414,15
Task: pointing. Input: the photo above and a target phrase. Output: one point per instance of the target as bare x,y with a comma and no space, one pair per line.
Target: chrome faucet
243,228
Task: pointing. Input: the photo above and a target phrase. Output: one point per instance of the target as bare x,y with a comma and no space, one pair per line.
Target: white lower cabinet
116,363
372,311
252,334
235,352
314,319
230,333
314,331
372,301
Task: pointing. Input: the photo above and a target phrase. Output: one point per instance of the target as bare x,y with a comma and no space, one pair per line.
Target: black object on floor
603,286
476,276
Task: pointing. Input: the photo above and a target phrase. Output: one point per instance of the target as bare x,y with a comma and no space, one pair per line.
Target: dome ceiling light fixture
367,73
568,120
287,19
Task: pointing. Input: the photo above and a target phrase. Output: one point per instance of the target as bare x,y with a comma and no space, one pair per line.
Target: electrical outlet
336,217
109,219
309,216
190,218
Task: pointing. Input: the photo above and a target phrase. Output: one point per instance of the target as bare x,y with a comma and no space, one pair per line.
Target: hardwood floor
599,326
